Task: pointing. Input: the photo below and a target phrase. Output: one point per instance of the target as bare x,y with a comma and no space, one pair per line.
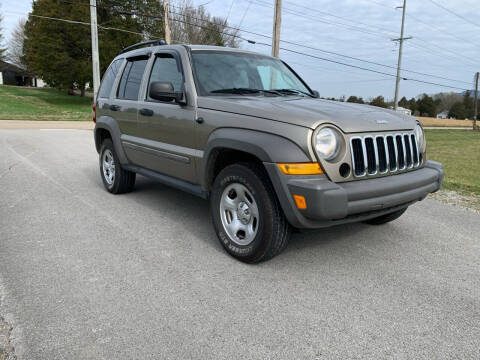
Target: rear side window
131,79
166,69
109,79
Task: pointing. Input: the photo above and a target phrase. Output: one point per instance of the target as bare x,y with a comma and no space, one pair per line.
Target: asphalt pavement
88,275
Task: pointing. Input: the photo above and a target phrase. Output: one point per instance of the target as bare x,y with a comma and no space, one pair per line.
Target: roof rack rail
143,43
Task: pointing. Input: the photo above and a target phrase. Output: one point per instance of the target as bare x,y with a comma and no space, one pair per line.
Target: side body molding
110,124
266,147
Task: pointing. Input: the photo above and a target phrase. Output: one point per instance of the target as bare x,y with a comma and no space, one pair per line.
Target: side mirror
316,94
163,91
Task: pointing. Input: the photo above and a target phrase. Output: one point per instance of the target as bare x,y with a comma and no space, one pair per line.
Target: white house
403,110
442,115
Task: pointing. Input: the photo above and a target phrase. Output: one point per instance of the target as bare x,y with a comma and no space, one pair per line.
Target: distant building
13,75
403,110
442,115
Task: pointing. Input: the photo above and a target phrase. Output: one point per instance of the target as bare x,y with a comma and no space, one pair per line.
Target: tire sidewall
254,251
108,145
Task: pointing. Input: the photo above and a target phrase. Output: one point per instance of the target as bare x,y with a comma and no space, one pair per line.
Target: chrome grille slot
392,153
357,157
371,158
408,150
414,150
400,152
383,154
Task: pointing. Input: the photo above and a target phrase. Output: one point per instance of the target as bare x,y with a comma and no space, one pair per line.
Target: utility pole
166,11
477,75
400,50
277,24
95,57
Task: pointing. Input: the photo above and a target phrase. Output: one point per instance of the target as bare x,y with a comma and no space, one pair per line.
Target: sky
442,44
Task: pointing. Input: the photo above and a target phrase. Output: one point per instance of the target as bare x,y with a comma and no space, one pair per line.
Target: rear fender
111,125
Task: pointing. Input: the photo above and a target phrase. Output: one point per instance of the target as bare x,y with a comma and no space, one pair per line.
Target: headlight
327,143
422,143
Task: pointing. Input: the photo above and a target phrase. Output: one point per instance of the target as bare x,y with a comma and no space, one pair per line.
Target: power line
310,9
417,19
268,45
302,45
454,13
363,30
75,22
305,46
229,10
367,69
316,19
438,29
245,13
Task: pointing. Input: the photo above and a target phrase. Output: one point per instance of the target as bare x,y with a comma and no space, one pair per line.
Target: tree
379,101
60,52
354,99
3,51
445,101
193,25
403,102
426,106
412,105
15,45
458,111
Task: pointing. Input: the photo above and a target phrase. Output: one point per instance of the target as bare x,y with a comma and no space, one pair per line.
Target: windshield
221,72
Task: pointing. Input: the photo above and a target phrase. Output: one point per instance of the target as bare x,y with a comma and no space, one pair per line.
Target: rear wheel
115,179
386,218
247,216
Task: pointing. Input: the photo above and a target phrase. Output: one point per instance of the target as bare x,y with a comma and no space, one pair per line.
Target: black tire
386,218
273,230
124,181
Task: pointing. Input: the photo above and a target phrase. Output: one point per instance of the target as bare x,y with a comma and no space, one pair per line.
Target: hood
310,113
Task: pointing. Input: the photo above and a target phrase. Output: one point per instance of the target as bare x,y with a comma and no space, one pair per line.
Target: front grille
383,154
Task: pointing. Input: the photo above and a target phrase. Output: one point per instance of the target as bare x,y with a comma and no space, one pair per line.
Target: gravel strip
6,348
470,202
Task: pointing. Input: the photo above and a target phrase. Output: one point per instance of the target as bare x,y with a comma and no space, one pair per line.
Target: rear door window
109,79
131,79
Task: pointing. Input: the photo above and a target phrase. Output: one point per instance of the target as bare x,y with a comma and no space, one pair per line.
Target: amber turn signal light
300,201
300,169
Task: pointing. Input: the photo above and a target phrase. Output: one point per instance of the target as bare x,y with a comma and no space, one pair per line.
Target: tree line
453,105
60,52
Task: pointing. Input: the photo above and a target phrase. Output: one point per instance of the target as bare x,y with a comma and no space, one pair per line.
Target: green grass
21,103
459,151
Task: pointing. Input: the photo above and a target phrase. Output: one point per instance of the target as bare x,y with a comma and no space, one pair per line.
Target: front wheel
247,216
386,218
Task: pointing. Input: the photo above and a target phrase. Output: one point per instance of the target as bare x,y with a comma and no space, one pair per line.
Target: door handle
114,107
146,112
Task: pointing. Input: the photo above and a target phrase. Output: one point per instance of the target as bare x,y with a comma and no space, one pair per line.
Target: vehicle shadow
193,215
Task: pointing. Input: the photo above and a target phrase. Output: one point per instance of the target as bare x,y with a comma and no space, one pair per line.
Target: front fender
266,147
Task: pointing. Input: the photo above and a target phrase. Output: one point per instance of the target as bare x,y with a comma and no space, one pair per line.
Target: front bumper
331,203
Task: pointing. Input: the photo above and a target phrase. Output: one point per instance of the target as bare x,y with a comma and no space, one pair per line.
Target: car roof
149,49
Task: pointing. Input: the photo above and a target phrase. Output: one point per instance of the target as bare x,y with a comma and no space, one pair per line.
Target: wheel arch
231,145
107,127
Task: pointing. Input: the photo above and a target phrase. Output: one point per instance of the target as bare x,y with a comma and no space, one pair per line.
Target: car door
166,129
124,106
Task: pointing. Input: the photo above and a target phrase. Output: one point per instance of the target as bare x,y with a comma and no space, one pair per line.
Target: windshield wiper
293,91
242,91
